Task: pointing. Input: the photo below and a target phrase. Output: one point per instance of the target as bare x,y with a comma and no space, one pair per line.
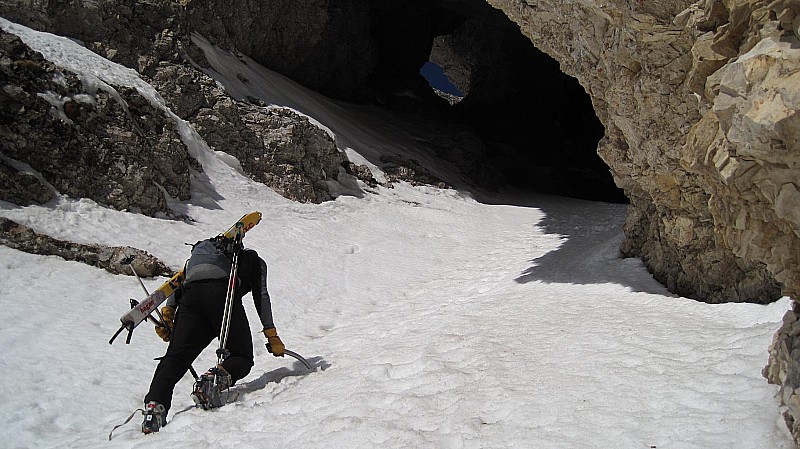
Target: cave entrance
537,125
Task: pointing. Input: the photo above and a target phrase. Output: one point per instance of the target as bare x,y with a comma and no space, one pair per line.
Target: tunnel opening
440,83
537,125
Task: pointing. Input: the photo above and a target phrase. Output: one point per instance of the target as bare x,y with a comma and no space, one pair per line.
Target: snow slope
433,318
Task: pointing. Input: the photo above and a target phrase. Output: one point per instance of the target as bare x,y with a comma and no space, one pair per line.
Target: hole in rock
436,78
530,125
537,125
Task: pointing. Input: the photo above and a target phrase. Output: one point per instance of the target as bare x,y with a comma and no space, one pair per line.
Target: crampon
211,389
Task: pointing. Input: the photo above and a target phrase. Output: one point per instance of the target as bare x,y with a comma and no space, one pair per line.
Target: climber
193,318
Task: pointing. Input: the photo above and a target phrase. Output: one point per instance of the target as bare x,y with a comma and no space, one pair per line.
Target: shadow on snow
296,370
589,254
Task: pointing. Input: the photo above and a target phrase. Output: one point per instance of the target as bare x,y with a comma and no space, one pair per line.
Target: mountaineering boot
209,387
153,417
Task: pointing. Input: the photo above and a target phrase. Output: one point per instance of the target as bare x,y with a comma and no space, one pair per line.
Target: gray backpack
210,259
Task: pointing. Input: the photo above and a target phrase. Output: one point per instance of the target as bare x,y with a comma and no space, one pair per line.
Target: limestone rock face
747,151
276,147
700,105
710,166
80,137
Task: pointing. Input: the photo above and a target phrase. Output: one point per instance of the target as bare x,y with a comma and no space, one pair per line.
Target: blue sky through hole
437,79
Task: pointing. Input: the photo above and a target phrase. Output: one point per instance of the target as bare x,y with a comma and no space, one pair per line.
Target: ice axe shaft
299,357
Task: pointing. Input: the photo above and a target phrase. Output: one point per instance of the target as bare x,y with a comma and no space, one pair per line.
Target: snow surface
433,319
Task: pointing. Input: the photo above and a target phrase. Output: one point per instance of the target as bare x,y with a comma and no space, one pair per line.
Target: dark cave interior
537,124
535,127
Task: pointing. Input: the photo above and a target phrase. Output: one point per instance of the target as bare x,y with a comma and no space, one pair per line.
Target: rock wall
276,147
641,62
279,148
321,44
83,138
700,103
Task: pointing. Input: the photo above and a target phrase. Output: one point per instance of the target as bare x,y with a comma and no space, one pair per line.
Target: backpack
210,259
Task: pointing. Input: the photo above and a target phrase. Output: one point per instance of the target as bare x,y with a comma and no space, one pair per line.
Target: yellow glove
274,344
168,314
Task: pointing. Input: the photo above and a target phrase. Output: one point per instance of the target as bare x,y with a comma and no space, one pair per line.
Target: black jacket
251,278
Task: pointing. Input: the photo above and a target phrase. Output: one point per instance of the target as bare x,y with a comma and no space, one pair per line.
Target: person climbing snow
194,317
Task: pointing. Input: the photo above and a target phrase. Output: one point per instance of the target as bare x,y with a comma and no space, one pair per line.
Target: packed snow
432,318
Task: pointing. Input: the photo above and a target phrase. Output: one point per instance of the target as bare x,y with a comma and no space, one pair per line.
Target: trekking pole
222,352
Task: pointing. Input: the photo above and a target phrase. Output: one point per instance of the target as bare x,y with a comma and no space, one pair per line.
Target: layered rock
700,106
746,149
114,259
641,62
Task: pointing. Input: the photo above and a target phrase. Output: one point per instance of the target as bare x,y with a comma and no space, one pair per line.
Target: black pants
197,323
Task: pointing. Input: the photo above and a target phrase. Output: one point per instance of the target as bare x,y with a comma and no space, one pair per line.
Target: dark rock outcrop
401,169
85,138
21,187
113,259
148,37
276,147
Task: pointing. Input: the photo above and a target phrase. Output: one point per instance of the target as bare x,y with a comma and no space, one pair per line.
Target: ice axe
297,356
